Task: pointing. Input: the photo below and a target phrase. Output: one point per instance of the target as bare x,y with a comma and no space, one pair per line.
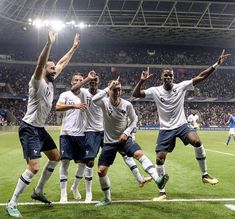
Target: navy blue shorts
72,147
109,151
34,140
167,138
93,142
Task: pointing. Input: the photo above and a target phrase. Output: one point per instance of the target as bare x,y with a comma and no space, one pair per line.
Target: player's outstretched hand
76,41
223,57
91,75
145,75
123,138
51,35
113,84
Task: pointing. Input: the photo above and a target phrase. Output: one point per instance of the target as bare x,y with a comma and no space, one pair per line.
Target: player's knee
138,154
102,171
197,144
34,167
90,163
160,160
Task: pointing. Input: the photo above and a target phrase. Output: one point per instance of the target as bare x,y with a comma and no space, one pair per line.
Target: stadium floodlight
38,23
57,25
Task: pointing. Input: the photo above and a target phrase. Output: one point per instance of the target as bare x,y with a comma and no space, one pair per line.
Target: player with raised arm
231,123
94,137
169,99
33,136
117,131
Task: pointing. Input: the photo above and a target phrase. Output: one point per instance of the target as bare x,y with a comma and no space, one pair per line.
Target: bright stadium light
57,25
38,23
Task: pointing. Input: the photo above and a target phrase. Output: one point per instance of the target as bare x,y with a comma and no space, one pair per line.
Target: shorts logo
35,152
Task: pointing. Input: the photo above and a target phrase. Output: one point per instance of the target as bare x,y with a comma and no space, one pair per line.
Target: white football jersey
192,120
170,104
94,115
73,121
116,117
40,100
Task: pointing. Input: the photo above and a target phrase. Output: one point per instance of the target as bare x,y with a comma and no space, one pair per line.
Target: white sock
78,176
130,162
88,173
161,171
148,167
46,173
23,182
200,154
105,186
64,177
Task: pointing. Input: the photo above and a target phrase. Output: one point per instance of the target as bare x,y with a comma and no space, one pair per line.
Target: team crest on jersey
162,99
123,112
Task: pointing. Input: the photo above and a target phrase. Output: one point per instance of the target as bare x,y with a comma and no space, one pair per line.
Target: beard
50,78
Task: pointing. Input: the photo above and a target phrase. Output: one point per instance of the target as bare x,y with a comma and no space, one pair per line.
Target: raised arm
43,57
91,75
204,74
137,92
66,58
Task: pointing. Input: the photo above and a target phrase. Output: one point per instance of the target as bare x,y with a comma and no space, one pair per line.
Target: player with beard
169,99
119,121
33,136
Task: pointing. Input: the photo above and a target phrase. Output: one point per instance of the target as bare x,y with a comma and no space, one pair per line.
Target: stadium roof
184,22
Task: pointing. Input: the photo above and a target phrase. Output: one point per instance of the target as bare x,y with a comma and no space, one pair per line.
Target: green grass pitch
185,183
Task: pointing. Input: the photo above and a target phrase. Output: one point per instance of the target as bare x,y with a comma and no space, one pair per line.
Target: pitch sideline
132,201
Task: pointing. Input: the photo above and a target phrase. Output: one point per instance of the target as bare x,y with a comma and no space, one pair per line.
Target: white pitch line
133,201
230,206
219,152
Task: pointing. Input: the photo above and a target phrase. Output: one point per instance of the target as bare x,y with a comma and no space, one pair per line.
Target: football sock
130,162
200,154
148,167
161,171
64,177
46,173
105,186
88,173
23,182
228,139
79,175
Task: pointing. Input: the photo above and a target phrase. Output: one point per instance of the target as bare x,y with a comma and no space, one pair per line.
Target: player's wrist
216,65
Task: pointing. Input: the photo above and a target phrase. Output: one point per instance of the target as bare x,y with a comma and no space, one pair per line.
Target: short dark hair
167,69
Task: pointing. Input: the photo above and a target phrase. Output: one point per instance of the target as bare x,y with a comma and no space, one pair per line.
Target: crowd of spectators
211,114
219,85
120,54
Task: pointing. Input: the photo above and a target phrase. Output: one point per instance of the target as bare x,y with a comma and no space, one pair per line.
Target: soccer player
117,131
231,123
72,132
33,136
94,132
193,120
169,99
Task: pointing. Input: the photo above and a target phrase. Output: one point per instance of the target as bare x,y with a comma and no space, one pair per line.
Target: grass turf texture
185,183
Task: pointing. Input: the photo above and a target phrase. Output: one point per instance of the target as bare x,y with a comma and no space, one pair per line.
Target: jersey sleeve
62,98
187,85
98,98
133,120
149,92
